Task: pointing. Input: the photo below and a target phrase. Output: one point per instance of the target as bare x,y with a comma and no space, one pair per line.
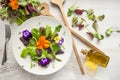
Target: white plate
18,46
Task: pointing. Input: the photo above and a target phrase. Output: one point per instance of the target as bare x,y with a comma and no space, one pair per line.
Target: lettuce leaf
57,29
48,31
35,33
54,47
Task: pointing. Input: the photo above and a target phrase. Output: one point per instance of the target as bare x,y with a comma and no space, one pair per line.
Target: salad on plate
42,45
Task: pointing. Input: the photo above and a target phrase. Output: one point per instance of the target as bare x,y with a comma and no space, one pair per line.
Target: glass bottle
96,57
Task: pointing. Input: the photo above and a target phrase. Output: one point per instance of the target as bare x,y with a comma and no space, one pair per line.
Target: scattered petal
80,26
79,11
90,35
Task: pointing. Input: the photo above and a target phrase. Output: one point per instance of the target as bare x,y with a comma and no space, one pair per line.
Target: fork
7,38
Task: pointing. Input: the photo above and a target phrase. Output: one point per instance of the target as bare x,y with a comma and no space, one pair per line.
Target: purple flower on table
26,34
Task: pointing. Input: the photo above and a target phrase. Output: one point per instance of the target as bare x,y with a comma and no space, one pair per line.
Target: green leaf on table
95,26
97,35
101,17
82,20
91,17
90,11
109,31
100,37
71,10
35,33
90,14
74,21
118,31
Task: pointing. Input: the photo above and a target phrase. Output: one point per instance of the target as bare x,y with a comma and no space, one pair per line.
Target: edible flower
59,40
42,43
44,61
14,4
26,34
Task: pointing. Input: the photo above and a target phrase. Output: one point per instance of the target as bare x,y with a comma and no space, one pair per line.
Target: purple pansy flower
26,34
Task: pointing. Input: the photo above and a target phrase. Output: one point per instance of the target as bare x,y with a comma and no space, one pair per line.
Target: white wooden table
110,45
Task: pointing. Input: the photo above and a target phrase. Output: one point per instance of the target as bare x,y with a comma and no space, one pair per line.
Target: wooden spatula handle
74,46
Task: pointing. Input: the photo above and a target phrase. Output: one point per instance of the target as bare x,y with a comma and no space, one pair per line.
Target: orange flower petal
43,43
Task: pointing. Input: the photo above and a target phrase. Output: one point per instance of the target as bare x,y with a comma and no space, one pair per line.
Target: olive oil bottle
96,57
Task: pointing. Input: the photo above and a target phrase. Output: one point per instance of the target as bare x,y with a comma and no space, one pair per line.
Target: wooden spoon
59,3
45,9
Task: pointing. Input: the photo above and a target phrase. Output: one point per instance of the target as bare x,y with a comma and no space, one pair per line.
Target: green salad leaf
57,29
48,31
23,3
34,2
56,58
32,50
19,21
3,13
35,33
32,42
24,53
44,53
54,48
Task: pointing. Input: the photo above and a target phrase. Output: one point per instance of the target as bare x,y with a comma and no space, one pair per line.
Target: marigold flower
42,43
14,4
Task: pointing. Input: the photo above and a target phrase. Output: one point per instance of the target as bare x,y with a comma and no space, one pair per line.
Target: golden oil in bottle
96,57
91,67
